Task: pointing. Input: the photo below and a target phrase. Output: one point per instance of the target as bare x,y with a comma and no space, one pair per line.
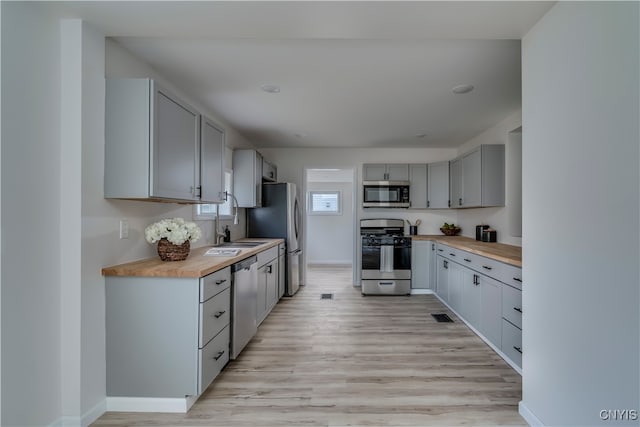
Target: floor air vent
326,296
442,317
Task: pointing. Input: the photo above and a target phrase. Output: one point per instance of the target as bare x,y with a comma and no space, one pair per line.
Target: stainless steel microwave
385,194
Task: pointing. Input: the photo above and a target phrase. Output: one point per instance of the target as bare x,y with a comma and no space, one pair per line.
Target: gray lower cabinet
442,281
267,283
422,267
282,270
483,293
166,337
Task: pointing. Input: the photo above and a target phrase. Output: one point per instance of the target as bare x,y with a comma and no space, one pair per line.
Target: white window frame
310,210
228,205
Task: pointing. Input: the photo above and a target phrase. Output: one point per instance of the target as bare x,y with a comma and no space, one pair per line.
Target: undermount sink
238,245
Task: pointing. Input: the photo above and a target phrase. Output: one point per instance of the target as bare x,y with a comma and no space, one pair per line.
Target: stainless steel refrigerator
279,217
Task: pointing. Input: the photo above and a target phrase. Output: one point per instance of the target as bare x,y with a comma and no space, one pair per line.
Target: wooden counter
196,264
502,252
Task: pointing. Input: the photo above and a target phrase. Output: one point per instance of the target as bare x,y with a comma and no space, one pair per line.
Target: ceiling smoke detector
270,88
460,89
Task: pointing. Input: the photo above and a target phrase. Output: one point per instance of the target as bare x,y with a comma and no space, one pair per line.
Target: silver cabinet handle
219,355
218,314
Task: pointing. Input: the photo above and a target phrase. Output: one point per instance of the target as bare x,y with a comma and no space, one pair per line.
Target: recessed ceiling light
462,89
270,88
300,135
420,135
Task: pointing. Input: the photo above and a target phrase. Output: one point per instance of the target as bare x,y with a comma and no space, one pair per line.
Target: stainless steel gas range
386,257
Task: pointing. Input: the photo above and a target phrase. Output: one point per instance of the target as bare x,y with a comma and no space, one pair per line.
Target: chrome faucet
217,234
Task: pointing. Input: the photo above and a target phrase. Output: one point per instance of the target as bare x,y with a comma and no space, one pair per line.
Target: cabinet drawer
214,315
512,342
214,283
266,256
512,305
511,275
212,359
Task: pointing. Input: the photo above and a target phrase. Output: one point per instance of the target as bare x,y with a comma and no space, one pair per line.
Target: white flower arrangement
175,230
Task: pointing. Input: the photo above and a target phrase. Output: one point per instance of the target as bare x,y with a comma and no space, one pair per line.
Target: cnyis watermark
619,414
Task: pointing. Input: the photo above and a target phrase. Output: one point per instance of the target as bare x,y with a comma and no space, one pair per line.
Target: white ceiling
356,74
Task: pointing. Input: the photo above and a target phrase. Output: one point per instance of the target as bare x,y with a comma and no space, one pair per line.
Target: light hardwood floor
354,360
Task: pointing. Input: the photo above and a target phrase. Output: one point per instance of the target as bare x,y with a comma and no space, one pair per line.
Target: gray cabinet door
176,139
211,162
438,185
433,266
455,183
261,302
472,178
398,172
282,274
420,264
491,313
247,178
442,286
418,188
471,299
493,175
374,172
272,284
455,286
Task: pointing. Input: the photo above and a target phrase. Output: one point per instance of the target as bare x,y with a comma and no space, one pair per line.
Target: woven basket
170,252
450,231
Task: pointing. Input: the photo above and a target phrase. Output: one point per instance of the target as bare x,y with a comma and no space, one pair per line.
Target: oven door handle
386,258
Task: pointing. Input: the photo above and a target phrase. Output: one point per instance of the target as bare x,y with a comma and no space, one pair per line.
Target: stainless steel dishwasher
244,288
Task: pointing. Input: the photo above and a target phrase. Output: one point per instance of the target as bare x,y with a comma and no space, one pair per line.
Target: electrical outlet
124,229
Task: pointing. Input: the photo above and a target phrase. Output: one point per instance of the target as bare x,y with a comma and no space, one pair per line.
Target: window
325,203
225,209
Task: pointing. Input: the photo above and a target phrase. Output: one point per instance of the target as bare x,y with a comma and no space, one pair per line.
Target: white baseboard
528,416
94,413
150,404
421,291
85,420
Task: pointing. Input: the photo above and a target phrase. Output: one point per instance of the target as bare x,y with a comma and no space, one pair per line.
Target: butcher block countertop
196,265
502,252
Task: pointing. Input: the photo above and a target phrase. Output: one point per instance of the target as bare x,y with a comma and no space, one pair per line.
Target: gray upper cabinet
418,187
386,172
269,171
438,185
212,149
455,182
247,178
477,178
153,145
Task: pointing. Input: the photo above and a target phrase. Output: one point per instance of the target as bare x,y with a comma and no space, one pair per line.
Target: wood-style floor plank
354,360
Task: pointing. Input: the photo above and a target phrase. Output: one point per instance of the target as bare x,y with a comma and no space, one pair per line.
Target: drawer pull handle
452,254
386,283
517,279
218,314
220,282
467,259
518,349
219,355
518,309
440,250
487,268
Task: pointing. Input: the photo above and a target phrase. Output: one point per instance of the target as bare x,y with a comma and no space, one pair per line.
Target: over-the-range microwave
385,194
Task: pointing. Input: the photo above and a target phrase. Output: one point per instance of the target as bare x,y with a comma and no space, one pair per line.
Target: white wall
31,241
581,213
330,237
497,217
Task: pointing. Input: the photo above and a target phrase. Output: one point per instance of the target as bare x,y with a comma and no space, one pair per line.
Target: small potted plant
174,237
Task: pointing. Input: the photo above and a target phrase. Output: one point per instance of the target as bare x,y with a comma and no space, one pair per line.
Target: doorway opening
329,228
